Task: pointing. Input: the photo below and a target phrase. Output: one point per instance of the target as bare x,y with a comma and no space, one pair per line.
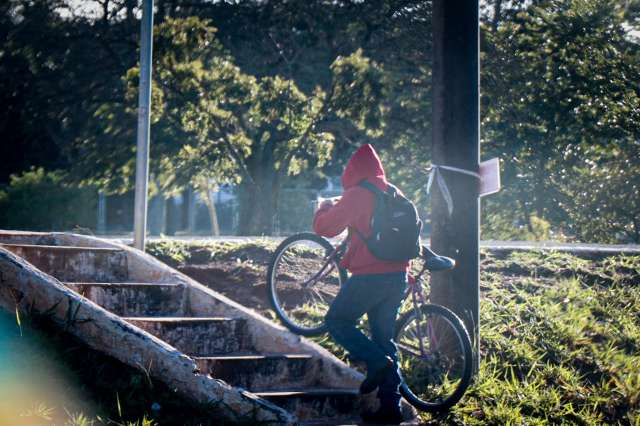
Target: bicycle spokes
431,349
305,282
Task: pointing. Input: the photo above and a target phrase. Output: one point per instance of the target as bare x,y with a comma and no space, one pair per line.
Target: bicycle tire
273,281
412,395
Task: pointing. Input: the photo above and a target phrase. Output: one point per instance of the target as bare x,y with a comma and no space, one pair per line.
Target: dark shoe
383,416
374,378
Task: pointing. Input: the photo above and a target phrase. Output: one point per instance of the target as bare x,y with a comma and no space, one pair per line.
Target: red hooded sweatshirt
354,210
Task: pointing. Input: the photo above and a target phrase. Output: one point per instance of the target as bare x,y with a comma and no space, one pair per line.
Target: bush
503,226
38,200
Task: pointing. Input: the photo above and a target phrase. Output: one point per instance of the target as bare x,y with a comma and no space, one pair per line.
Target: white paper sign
489,177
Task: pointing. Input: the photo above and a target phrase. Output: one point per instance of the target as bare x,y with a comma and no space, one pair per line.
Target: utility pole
456,143
144,110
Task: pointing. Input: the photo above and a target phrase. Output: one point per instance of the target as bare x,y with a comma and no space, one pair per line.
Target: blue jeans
379,296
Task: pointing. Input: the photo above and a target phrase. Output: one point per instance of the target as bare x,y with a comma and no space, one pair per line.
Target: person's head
363,164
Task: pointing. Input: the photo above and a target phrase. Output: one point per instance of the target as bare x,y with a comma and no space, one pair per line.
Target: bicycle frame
335,255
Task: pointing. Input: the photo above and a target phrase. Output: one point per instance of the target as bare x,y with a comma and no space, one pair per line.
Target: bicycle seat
435,262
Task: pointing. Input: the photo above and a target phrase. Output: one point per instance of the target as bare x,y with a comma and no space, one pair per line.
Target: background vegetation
267,94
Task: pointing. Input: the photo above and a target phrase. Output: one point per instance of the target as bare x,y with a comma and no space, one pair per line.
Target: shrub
40,200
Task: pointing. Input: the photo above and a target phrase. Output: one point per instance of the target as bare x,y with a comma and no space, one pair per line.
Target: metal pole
456,142
144,109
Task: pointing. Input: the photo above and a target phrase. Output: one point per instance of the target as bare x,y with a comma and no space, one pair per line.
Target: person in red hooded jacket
376,287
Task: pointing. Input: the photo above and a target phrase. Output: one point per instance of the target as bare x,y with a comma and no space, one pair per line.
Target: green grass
176,252
560,343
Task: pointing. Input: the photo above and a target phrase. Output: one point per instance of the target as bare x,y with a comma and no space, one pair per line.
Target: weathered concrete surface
199,336
136,299
203,302
263,372
75,263
30,291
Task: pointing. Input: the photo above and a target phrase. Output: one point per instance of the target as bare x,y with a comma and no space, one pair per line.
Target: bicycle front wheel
435,357
302,281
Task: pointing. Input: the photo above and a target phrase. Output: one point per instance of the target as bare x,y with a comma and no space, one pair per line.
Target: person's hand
326,204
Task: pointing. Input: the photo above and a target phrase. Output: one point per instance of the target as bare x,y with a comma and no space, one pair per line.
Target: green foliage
603,188
557,105
41,200
358,89
504,225
551,356
56,65
215,124
283,100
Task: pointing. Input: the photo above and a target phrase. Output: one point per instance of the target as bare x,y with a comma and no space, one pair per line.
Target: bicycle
433,344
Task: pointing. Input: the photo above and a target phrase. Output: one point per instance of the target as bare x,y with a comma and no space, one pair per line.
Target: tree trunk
206,187
539,191
526,214
259,198
257,208
213,215
497,14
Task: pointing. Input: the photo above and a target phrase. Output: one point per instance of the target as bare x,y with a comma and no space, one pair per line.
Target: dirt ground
245,285
240,272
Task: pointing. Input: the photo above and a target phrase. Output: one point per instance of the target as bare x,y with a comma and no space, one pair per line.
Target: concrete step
333,406
136,299
199,336
257,372
75,264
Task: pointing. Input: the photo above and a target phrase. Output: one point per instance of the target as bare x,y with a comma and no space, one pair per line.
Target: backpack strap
378,193
371,187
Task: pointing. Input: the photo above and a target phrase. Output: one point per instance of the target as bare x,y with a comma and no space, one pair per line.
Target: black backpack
395,225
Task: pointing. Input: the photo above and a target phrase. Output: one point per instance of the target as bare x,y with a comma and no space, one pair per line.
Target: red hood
364,164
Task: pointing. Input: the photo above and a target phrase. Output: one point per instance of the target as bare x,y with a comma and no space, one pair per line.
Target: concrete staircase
224,340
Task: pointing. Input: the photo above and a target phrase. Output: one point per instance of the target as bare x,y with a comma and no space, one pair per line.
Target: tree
299,40
604,185
556,84
56,67
214,123
559,94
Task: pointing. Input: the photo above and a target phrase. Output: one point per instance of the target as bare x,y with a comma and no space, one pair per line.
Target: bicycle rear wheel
435,357
302,282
